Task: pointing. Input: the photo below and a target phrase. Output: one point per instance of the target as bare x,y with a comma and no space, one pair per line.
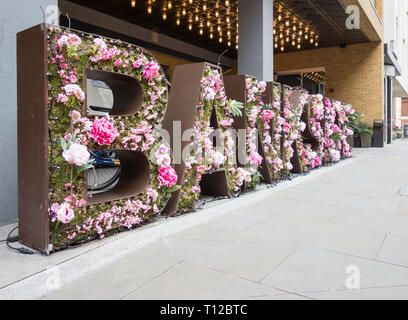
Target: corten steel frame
33,144
235,88
182,106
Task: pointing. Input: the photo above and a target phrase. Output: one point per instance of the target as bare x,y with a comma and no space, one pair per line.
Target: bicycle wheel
102,179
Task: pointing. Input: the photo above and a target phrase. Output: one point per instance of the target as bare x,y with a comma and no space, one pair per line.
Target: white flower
77,154
210,94
65,214
100,43
218,159
162,156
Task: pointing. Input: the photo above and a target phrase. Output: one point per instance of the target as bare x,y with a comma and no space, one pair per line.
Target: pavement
340,232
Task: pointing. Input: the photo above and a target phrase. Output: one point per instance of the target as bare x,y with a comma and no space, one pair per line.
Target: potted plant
353,124
366,134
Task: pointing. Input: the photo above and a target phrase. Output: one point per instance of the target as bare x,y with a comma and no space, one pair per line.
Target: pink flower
77,154
151,71
335,128
74,41
100,43
153,194
75,116
195,190
137,63
167,176
80,203
74,90
267,115
118,62
62,41
103,132
62,98
255,159
65,214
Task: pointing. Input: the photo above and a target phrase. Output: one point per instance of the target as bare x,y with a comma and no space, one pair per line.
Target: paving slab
190,281
252,261
120,277
395,249
310,269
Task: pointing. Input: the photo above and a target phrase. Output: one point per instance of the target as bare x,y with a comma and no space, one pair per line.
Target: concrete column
15,16
255,54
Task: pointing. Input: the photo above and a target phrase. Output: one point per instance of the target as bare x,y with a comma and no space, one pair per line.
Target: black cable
19,250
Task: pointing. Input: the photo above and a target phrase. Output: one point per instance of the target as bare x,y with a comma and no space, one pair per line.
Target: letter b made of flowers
140,96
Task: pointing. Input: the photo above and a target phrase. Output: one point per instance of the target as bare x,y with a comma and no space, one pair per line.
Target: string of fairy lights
218,19
318,77
290,30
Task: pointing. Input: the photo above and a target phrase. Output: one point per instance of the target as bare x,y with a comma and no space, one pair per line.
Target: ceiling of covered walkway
213,24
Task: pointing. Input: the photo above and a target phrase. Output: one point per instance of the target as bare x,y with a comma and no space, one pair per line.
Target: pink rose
77,154
167,176
103,132
151,71
267,115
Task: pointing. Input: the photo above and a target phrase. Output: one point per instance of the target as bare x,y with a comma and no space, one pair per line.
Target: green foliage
358,124
174,188
256,179
236,108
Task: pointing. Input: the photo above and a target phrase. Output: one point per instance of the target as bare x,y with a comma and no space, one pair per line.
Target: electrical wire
19,250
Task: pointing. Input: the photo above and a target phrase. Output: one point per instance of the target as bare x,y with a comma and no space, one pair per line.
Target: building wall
353,74
396,32
15,16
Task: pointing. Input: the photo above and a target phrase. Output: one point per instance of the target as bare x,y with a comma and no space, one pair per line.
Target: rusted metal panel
32,109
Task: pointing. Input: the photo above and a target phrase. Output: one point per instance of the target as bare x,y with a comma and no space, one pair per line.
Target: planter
350,141
357,142
366,140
